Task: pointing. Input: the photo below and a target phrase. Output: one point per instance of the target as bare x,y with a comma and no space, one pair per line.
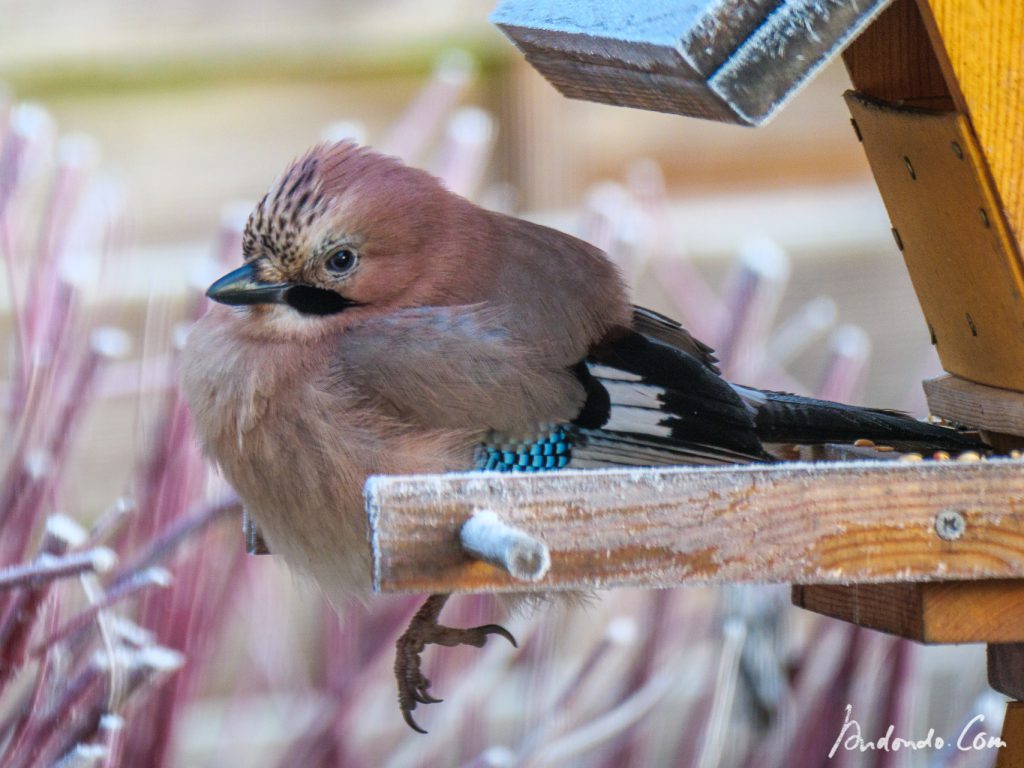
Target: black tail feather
785,418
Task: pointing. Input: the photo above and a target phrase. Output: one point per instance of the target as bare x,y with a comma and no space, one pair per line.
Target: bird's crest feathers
330,178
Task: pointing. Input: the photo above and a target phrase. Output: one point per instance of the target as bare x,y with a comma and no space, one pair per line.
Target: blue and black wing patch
550,448
653,396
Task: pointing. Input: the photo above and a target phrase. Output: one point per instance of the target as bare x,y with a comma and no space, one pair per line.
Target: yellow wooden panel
962,261
982,50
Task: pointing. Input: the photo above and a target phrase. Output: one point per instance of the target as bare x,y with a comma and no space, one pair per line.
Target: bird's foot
422,631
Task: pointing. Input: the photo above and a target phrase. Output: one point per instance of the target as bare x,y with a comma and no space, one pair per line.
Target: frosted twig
188,525
150,577
49,568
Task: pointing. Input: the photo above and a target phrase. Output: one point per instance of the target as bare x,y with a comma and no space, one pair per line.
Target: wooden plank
840,523
959,253
787,50
732,60
1011,754
935,612
966,55
893,60
964,402
966,58
1006,668
981,47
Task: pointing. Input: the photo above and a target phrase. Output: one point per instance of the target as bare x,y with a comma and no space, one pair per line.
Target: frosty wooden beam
839,523
733,60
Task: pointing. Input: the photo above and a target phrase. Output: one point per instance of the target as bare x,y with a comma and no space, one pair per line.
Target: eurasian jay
381,324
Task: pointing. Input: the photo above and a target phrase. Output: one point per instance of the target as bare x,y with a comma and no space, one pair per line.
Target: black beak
242,286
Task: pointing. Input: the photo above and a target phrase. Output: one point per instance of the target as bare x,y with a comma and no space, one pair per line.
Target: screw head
950,524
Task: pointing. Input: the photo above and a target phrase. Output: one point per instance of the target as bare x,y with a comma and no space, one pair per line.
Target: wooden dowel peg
487,537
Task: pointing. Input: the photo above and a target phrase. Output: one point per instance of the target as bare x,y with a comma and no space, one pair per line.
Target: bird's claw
489,629
422,631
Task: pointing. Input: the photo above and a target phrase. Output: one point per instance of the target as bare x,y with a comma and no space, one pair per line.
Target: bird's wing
453,368
654,396
658,327
666,393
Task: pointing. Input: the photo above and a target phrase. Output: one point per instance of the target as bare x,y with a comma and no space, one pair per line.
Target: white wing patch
607,373
639,395
642,420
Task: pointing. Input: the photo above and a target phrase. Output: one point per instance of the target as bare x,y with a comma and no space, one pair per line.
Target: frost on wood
732,60
864,521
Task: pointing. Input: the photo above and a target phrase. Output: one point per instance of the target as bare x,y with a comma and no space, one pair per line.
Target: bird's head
343,233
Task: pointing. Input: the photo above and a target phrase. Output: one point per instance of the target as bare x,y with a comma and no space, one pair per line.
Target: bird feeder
931,551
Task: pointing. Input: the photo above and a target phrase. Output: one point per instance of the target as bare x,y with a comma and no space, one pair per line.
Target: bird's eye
341,261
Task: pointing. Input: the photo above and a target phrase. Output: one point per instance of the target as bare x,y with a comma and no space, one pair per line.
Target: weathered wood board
988,408
732,60
894,61
1006,668
946,217
1012,754
985,611
840,523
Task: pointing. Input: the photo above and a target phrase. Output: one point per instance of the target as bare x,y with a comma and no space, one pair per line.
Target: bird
381,324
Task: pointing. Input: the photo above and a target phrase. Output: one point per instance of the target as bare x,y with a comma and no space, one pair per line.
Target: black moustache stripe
316,301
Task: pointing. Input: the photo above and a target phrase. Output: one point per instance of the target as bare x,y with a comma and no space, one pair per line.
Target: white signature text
851,738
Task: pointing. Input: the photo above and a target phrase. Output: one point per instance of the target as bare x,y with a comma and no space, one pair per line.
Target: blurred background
133,138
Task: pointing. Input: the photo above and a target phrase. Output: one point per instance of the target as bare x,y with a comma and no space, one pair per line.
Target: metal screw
956,150
950,524
984,217
910,167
